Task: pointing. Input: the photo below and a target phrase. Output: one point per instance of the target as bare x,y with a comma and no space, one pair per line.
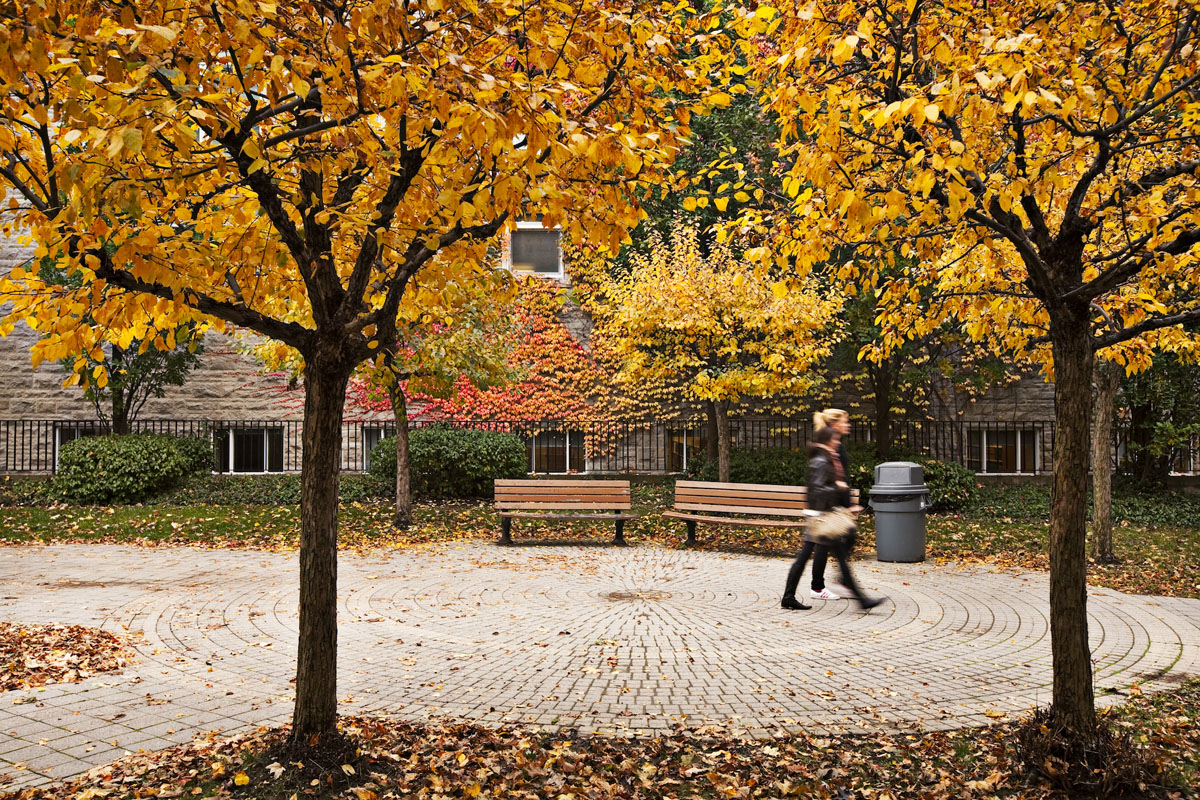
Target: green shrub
197,453
448,462
772,465
267,490
117,469
951,486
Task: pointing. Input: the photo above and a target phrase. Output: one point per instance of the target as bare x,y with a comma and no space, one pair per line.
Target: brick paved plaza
603,640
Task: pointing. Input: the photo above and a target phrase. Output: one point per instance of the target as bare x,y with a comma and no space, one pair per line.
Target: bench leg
505,530
691,528
619,539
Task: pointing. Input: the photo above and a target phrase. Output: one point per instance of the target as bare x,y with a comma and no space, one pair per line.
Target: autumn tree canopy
701,322
1035,165
289,169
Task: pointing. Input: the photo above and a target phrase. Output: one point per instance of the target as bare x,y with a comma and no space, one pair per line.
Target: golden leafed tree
1025,168
706,324
289,169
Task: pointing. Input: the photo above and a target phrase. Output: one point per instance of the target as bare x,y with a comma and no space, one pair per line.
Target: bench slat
766,523
740,501
509,491
564,506
776,487
528,515
783,512
798,493
534,496
522,482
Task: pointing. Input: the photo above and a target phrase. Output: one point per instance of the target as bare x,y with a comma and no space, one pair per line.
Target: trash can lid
899,477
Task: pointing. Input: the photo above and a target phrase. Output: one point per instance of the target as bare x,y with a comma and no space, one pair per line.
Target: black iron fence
597,446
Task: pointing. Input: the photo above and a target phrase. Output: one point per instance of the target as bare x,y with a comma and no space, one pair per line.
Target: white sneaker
824,594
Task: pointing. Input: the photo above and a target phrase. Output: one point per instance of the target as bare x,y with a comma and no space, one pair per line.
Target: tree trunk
325,380
723,446
120,404
711,445
1108,381
881,383
1073,700
403,516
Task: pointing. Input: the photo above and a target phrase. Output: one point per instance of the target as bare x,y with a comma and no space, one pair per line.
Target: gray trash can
899,498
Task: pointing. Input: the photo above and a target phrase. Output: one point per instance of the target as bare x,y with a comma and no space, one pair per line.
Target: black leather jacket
823,493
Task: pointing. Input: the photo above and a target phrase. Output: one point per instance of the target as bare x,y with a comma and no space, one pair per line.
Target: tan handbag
831,527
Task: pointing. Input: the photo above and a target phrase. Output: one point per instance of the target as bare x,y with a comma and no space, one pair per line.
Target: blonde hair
827,417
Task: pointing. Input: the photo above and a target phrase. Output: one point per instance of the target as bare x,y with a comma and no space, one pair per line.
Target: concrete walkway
599,639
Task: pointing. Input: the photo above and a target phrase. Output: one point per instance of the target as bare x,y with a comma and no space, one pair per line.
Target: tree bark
723,444
711,445
120,403
1073,699
325,379
403,513
881,384
1108,381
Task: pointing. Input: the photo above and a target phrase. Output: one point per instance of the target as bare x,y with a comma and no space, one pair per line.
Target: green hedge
773,465
96,470
273,490
452,463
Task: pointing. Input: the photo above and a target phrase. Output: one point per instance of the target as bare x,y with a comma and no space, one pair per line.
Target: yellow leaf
779,289
689,204
367,794
722,203
241,779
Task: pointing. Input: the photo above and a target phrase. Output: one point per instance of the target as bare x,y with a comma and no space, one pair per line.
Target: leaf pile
35,655
391,759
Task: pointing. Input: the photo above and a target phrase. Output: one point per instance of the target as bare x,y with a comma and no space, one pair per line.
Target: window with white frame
249,450
685,443
533,248
556,452
1002,451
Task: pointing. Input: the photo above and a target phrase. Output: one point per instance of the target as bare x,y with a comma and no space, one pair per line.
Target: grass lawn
1155,559
389,759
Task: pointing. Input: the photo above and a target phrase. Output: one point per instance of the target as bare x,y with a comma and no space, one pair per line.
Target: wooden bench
570,500
755,504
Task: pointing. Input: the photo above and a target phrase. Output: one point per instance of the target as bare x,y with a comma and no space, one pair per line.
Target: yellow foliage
1037,159
688,317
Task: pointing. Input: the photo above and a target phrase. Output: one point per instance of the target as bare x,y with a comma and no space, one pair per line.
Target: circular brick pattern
611,640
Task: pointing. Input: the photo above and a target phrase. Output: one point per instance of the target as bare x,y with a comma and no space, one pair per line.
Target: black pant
841,552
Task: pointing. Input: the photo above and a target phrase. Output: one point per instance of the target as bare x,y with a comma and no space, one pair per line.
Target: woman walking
827,488
838,421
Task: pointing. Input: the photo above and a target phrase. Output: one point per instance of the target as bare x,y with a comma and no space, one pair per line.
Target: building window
991,451
556,452
249,450
685,443
532,248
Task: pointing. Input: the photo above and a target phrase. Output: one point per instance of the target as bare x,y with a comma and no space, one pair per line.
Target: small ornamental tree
1036,162
119,380
288,170
701,322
